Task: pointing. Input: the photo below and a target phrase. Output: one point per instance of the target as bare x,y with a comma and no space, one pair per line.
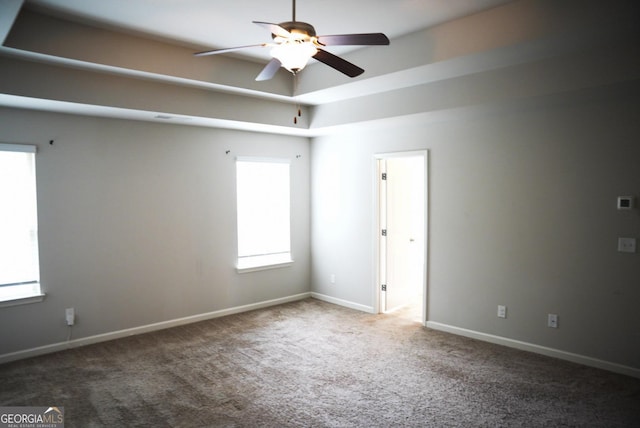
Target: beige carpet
313,364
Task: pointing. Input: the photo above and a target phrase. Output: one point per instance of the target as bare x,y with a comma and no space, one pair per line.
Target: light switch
627,245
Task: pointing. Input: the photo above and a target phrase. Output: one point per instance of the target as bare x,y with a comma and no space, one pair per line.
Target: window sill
247,269
20,294
21,300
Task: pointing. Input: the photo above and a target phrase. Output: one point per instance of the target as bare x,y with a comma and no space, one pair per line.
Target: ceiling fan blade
338,63
368,39
219,51
274,28
269,71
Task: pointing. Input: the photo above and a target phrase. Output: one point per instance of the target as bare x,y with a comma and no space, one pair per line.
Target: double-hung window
263,207
19,266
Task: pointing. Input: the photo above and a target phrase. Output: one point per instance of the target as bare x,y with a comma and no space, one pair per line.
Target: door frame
377,234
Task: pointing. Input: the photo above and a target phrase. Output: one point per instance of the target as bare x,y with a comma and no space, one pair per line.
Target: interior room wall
522,213
137,224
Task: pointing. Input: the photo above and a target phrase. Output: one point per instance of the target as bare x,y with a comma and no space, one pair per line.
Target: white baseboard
530,347
55,347
346,303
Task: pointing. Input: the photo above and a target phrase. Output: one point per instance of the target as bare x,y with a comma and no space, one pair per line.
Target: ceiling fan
295,42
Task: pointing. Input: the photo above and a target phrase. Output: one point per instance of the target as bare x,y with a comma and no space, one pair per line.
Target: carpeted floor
313,364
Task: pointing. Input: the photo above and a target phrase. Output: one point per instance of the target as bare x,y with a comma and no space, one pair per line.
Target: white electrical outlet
70,315
332,278
552,320
502,311
627,245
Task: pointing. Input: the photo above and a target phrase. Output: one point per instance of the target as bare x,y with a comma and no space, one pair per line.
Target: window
19,270
263,198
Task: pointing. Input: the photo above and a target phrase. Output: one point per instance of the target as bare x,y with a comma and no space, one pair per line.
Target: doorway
401,211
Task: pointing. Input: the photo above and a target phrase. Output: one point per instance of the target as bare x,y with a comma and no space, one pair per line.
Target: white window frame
27,290
279,258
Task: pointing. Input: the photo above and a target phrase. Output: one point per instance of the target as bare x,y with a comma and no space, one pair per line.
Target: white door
402,220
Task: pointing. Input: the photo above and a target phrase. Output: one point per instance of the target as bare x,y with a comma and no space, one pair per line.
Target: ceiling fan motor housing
297,29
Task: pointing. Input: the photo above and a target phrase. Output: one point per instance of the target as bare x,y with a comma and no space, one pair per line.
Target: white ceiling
212,24
439,50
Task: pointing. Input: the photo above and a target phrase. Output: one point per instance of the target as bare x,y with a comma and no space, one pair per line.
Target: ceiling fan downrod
293,14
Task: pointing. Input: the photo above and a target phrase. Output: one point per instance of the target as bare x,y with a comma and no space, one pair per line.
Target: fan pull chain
297,105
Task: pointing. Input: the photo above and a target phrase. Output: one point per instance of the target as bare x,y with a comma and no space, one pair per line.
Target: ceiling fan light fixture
294,55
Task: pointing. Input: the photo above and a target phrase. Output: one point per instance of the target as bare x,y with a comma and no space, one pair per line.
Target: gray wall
522,213
136,220
137,224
